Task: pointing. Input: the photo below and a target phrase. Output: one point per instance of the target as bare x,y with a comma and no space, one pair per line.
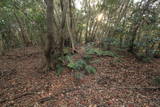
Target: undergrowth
83,65
99,52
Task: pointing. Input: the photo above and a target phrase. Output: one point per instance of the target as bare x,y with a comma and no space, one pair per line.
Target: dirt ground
128,83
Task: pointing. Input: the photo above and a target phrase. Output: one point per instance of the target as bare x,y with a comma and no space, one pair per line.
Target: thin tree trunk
23,32
70,34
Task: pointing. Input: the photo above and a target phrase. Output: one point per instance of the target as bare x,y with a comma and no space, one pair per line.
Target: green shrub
81,65
78,65
73,65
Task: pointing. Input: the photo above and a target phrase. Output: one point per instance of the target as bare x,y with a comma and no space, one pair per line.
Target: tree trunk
24,34
50,42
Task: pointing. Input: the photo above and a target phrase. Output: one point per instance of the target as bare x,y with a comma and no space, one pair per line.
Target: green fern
81,63
87,57
68,58
109,53
78,65
72,65
90,69
59,69
98,52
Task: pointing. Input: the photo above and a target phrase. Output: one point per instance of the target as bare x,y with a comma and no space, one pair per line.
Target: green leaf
81,63
109,53
68,59
87,57
72,65
59,69
90,69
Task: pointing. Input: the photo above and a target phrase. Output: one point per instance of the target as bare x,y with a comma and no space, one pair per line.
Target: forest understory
128,83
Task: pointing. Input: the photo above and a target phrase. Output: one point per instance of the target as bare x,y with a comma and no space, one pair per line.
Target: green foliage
78,65
109,53
143,58
72,65
81,65
87,58
68,58
90,69
92,51
59,69
157,54
109,42
98,52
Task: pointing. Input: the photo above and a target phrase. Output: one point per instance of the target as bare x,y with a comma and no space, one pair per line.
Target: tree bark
50,42
24,34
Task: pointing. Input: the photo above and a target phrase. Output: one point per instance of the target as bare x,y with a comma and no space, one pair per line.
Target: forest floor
128,83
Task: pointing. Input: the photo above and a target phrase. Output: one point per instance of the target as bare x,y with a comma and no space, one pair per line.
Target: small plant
92,51
98,52
157,54
62,61
59,69
87,58
81,65
90,69
68,58
78,65
109,53
72,65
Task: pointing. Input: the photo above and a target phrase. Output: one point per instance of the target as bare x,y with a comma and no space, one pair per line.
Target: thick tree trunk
50,42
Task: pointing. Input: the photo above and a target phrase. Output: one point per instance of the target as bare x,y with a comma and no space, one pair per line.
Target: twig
42,100
16,97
